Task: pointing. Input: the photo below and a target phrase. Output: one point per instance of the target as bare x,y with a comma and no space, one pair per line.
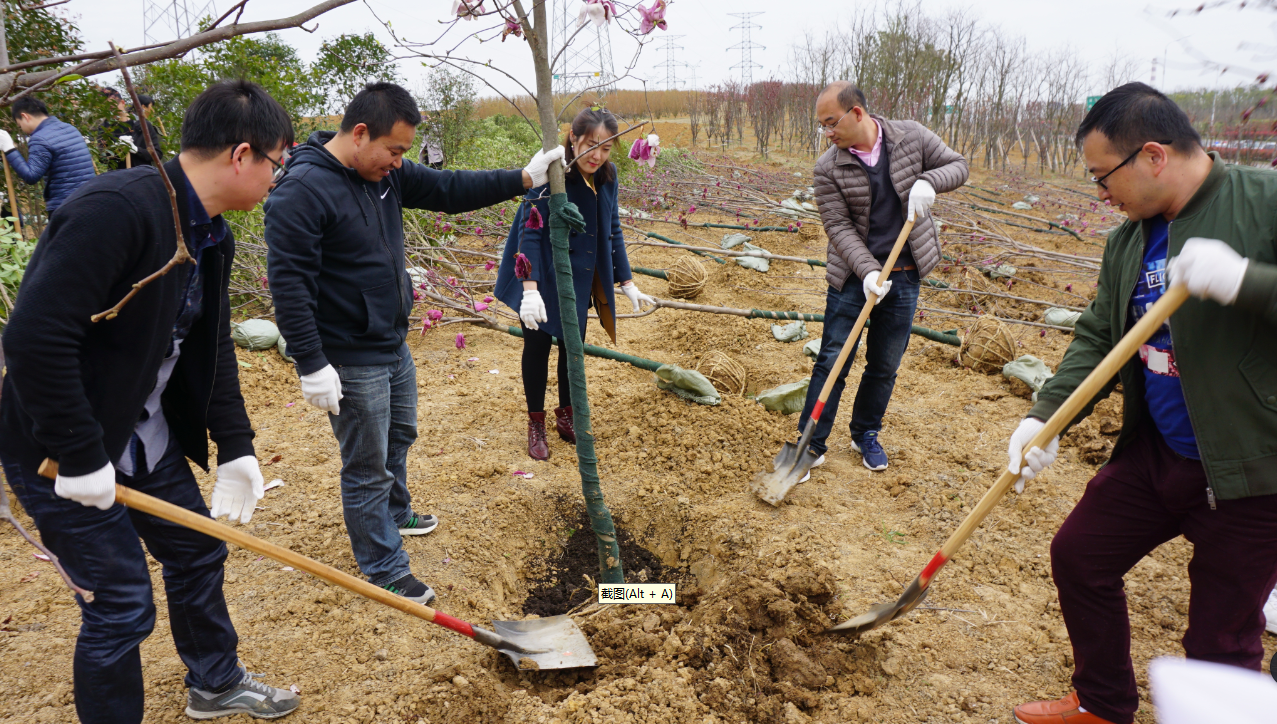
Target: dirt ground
757,583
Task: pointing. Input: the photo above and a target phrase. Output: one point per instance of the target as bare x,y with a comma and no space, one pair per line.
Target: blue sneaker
875,458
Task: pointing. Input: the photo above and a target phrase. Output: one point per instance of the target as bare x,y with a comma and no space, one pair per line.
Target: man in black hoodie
337,272
129,399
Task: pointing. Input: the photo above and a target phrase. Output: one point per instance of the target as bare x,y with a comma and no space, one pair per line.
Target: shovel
547,643
794,461
1085,392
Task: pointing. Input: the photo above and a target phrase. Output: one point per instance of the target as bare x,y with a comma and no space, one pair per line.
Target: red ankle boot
537,447
563,423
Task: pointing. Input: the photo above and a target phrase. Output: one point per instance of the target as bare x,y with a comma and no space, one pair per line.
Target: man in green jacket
1198,451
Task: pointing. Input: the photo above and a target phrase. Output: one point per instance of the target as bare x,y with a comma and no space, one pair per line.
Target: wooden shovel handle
144,503
1085,392
13,198
883,275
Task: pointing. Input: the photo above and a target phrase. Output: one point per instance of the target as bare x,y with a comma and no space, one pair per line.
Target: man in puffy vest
56,152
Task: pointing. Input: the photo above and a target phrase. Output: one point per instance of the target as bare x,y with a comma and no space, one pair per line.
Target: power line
746,47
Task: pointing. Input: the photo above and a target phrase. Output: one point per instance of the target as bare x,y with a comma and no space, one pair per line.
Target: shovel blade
883,612
788,469
545,643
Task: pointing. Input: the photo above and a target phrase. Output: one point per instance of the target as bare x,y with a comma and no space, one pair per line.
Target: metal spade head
544,643
788,469
883,612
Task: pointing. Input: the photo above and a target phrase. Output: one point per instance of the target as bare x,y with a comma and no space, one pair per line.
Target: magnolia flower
653,18
434,314
598,12
461,341
512,27
468,9
489,265
534,219
480,307
522,266
488,300
644,152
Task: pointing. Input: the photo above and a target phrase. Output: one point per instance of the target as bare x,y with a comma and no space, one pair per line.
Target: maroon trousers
1145,496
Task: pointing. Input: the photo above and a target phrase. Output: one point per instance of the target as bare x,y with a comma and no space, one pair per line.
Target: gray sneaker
249,697
419,525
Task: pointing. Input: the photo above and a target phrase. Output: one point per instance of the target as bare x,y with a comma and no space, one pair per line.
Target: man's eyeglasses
279,165
1128,159
822,128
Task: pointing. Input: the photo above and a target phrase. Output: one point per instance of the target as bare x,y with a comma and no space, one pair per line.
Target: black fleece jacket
75,389
335,251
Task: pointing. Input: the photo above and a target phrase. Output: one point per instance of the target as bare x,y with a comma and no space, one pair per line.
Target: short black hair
849,95
379,106
30,105
231,112
145,99
1131,115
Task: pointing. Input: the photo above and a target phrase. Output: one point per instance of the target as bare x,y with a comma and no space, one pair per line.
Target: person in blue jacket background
56,152
598,261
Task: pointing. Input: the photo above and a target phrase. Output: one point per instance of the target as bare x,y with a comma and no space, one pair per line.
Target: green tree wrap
562,215
604,352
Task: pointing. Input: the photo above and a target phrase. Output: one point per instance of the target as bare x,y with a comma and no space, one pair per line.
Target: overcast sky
1244,40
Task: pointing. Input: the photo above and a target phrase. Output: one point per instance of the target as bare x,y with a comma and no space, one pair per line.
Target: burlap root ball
987,346
687,278
727,374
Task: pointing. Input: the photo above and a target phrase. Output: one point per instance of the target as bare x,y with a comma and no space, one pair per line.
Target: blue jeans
377,425
101,552
889,327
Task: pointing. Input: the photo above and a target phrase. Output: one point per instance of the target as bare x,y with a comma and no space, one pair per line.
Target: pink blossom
416,295
488,300
645,150
512,27
452,281
434,314
534,219
522,267
479,231
489,265
424,326
480,307
692,209
599,12
447,228
264,282
468,9
461,341
1068,287
653,18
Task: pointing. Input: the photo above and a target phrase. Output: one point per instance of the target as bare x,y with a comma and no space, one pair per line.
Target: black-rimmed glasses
279,165
1128,159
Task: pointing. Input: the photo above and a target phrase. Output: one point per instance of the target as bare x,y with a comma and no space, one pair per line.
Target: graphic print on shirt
1157,354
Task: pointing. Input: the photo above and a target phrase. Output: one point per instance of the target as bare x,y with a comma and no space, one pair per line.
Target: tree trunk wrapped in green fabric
565,216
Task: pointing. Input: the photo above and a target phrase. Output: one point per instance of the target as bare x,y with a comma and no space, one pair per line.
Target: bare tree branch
10,81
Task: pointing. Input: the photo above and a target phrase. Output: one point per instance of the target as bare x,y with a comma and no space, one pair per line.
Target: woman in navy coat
598,261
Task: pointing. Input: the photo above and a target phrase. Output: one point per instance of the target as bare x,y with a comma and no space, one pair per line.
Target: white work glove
921,197
1209,268
1029,464
323,389
538,168
96,490
237,490
632,291
6,142
128,141
532,309
871,286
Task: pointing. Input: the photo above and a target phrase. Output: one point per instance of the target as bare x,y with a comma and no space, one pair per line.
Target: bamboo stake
13,197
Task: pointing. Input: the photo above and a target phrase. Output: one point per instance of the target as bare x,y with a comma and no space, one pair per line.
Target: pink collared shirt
870,158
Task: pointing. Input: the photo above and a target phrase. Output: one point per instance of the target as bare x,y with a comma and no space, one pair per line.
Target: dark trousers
890,325
536,369
101,552
1147,495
